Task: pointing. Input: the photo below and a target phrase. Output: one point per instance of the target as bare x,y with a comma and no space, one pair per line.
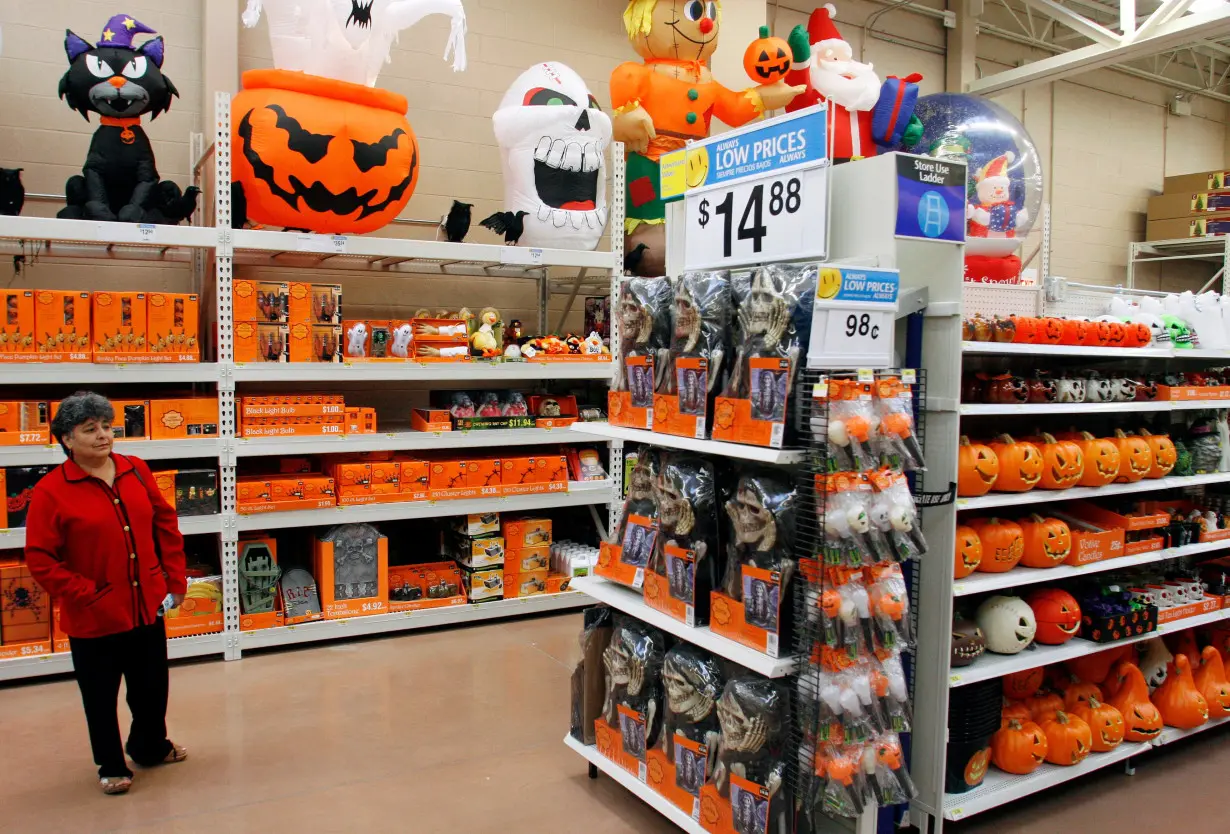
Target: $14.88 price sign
773,218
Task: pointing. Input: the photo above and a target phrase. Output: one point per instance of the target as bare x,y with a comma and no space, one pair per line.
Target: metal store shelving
53,238
1035,410
763,454
1047,496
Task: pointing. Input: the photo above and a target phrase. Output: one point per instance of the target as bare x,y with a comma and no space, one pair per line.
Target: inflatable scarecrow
669,98
121,82
316,145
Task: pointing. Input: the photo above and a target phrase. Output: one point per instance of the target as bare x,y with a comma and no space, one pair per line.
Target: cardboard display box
120,323
315,304
1170,206
173,322
186,419
1204,181
25,424
483,584
201,610
527,532
62,324
477,524
264,301
337,584
17,326
1212,223
25,608
261,342
190,492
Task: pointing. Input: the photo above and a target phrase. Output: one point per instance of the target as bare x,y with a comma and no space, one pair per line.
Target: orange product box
25,423
447,474
660,773
483,473
165,481
386,473
634,408
1143,546
345,593
481,552
520,470
17,328
483,584
360,421
315,303
174,322
1191,609
526,584
555,470
430,419
260,301
609,742
269,619
119,322
261,342
1148,516
315,342
527,559
59,639
27,622
759,420
565,405
415,477
252,492
684,413
557,583
1091,543
624,562
62,324
675,593
527,532
352,478
440,331
728,617
198,613
296,405
4,507
196,417
477,524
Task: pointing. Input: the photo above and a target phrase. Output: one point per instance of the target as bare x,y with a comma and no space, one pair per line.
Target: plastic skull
688,693
553,140
1098,390
752,520
675,515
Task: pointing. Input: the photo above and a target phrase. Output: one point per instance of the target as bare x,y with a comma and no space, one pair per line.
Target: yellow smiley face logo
830,283
696,167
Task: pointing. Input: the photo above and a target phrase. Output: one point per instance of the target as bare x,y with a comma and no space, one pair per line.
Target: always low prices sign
854,318
754,195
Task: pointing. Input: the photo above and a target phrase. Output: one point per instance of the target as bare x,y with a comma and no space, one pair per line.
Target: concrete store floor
449,731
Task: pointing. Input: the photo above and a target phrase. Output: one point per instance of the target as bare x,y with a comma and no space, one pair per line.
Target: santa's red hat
821,29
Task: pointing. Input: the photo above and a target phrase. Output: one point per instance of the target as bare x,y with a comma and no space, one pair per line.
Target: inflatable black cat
121,82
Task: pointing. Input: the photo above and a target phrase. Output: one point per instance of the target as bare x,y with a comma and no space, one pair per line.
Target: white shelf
981,583
997,665
1013,349
189,525
50,237
579,494
631,602
1173,734
639,789
1043,409
710,447
999,788
61,663
87,373
1043,496
420,371
144,449
402,441
404,621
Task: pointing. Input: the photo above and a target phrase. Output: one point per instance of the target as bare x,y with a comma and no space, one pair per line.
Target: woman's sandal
177,754
115,785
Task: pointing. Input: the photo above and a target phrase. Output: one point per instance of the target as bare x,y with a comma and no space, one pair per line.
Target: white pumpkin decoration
1099,390
1007,622
1155,663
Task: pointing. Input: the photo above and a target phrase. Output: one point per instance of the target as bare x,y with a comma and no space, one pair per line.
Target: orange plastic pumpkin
977,469
1020,464
969,552
1075,331
1117,334
1019,747
1098,334
1178,700
1079,692
1135,458
1003,544
1015,711
1044,705
1211,681
1024,684
1050,331
1057,613
1063,463
1048,541
1026,329
1093,668
1184,642
1105,723
1101,458
1112,682
1137,334
320,154
976,767
1068,739
1141,718
767,59
1162,452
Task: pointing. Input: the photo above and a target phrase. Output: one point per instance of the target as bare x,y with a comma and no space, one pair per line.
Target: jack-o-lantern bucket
319,154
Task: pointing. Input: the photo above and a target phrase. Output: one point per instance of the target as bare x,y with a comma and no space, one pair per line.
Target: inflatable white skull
553,141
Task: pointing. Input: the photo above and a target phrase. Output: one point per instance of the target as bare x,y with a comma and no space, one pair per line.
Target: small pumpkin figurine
1162,452
1014,711
1116,335
968,643
1075,331
1048,541
1137,334
967,330
1178,700
1003,544
1042,389
1007,389
1135,458
1063,463
1019,747
977,469
1068,739
968,552
1050,331
1044,705
1100,455
1020,464
1003,330
767,59
1105,723
1098,334
982,329
1057,613
1023,684
1211,681
1141,718
1026,329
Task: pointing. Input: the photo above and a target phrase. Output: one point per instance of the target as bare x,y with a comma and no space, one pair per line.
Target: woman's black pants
140,658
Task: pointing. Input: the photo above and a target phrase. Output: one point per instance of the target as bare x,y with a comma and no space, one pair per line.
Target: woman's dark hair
77,409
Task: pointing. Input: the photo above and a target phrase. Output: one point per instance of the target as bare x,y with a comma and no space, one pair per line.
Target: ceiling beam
1082,25
1163,14
1171,35
1127,17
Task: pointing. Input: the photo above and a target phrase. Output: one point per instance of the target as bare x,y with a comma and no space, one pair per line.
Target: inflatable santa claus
866,116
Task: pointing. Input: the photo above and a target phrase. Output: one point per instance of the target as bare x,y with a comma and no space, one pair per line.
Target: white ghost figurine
349,40
553,142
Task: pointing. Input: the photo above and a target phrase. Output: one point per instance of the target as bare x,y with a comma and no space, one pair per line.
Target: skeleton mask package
761,512
686,552
625,559
753,715
644,330
588,678
553,140
693,681
700,327
633,663
356,561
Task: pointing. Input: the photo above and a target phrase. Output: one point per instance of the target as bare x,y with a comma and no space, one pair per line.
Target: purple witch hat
118,32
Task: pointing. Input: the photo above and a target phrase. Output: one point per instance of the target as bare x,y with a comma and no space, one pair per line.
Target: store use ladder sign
930,198
754,195
854,318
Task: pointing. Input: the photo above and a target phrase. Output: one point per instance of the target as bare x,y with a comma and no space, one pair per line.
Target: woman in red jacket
106,545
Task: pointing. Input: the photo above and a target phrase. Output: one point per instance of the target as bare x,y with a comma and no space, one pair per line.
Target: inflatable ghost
553,141
349,40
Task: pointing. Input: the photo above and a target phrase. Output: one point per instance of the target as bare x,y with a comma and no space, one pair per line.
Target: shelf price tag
853,320
327,244
128,232
521,255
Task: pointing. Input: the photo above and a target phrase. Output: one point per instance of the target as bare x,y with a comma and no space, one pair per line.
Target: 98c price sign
775,218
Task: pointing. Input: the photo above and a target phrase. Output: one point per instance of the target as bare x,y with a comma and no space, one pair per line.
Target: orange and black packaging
17,322
174,323
62,322
120,322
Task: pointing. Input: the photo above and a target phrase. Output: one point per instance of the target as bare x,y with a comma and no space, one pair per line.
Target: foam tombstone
316,145
553,142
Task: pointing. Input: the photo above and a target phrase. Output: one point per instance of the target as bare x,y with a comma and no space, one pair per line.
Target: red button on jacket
78,550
